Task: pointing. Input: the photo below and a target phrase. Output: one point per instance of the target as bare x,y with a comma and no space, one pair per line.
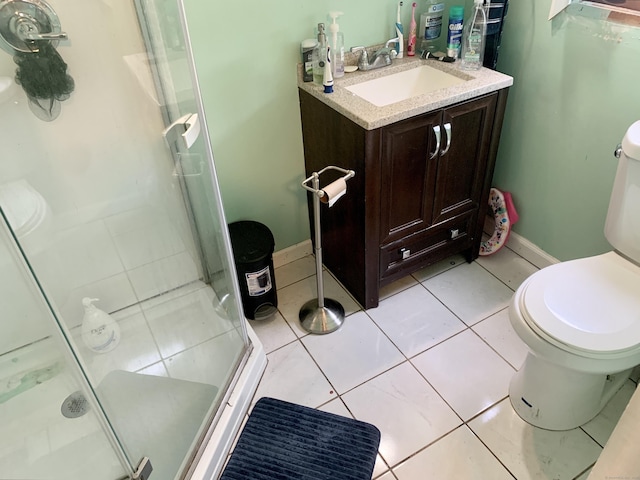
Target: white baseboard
529,251
523,247
292,253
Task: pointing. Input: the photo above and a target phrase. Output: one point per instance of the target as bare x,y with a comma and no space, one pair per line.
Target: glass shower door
129,213
51,426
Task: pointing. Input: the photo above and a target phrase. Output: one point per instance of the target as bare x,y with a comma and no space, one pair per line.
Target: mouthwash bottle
431,26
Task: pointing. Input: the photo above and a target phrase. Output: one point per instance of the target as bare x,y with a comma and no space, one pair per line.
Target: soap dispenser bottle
319,55
336,43
100,332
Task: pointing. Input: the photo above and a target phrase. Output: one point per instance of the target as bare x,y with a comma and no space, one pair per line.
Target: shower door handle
186,130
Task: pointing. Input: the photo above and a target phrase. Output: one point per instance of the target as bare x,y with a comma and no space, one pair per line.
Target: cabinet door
463,157
408,174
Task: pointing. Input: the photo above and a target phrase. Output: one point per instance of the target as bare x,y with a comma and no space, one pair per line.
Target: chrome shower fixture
25,22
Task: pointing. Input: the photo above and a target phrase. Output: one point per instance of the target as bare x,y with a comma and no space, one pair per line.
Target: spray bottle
337,46
473,38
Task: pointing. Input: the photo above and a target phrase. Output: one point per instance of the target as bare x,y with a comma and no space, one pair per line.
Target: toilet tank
622,227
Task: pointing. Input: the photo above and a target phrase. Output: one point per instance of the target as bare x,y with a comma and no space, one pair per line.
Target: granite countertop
370,117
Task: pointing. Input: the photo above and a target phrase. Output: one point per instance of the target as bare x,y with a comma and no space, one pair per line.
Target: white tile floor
430,367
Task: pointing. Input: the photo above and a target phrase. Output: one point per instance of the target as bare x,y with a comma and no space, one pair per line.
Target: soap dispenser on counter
336,42
100,332
319,55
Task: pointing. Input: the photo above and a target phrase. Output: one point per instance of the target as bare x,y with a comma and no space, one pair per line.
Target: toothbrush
411,47
327,77
400,44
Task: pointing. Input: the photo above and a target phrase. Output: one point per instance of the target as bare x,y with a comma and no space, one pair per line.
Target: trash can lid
251,241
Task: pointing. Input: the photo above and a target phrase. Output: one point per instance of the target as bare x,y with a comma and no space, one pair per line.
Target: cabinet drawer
406,255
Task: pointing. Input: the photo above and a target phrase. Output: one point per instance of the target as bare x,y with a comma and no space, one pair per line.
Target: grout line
490,451
408,359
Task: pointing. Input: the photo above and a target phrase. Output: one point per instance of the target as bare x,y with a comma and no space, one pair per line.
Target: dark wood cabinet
419,195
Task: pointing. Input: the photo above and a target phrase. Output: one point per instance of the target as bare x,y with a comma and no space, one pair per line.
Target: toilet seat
589,306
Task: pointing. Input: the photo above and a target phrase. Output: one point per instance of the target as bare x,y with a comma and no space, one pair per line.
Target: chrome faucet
381,58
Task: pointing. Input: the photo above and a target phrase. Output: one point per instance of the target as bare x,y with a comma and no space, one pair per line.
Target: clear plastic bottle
336,42
319,55
431,26
474,38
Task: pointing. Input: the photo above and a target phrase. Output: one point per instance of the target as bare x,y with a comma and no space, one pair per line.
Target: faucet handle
363,61
390,41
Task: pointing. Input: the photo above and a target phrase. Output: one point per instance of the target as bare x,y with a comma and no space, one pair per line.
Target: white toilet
581,318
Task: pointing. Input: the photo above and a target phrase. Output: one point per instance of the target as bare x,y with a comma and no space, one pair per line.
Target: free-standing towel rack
323,315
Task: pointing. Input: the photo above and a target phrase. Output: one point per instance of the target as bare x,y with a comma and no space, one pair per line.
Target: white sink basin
404,85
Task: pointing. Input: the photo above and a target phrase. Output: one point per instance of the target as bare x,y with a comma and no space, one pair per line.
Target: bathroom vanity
423,168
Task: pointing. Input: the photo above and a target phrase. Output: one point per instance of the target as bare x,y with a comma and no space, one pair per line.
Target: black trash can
495,22
253,246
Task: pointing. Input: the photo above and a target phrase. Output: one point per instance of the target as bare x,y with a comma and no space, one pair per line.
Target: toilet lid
23,206
591,304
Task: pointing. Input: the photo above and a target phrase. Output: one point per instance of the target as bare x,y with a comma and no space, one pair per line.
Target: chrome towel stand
321,315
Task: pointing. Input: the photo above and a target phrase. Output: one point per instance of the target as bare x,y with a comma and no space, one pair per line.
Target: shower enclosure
108,191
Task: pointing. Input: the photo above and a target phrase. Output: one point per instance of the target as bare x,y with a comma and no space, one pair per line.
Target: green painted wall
246,56
574,95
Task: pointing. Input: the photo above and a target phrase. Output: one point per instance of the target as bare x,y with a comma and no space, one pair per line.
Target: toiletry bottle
100,332
306,49
336,42
473,38
454,33
431,26
411,44
327,77
319,55
399,33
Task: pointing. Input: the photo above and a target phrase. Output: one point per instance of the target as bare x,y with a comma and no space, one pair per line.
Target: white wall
118,230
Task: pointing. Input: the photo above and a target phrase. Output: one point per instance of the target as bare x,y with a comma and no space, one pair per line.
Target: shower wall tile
145,245
163,275
115,293
24,316
87,254
184,322
157,370
129,220
215,354
136,350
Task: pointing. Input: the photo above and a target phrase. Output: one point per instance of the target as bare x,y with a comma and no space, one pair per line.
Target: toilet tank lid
631,141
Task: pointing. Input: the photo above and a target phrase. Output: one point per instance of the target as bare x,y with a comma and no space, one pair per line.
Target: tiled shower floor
430,367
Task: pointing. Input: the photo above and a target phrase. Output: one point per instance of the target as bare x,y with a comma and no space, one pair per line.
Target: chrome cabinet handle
447,129
436,131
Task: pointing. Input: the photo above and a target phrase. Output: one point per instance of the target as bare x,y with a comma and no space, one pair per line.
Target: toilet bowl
581,318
